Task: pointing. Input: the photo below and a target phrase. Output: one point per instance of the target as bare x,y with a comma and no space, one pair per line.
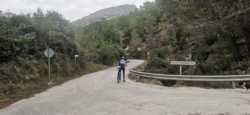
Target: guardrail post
138,78
233,85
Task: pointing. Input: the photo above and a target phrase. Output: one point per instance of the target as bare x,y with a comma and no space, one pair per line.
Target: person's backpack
122,63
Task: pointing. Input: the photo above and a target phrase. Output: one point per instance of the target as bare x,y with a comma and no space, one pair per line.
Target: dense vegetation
100,42
213,33
23,66
204,31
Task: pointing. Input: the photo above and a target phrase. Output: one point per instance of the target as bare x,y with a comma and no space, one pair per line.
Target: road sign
76,56
183,63
49,53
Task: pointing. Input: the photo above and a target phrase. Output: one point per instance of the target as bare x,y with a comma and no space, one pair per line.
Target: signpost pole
49,53
49,69
180,69
75,60
76,56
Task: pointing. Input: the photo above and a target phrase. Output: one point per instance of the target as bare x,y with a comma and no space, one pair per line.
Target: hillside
163,31
104,14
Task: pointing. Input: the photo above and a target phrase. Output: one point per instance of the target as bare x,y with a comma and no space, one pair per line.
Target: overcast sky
71,9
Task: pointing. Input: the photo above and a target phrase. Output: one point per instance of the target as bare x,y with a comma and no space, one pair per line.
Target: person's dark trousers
119,76
123,71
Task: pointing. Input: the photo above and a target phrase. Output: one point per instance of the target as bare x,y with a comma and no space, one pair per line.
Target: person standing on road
121,69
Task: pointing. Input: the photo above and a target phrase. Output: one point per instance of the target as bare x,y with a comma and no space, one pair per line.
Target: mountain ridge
106,13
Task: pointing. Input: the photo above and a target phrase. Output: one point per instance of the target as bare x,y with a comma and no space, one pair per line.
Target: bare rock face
106,14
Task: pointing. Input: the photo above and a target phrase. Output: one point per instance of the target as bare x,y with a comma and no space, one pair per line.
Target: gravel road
99,94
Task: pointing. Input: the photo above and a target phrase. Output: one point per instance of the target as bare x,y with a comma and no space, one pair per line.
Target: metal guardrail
214,78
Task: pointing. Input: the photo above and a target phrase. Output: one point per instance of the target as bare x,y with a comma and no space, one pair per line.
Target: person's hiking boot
124,81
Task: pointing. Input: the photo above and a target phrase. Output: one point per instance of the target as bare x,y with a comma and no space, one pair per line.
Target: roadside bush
107,55
158,58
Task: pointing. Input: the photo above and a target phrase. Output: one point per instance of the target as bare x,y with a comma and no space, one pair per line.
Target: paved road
98,94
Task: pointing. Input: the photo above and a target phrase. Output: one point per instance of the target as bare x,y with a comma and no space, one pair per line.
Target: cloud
71,9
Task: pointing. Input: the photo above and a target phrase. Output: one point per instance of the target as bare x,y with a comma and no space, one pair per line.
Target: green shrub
158,58
107,55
